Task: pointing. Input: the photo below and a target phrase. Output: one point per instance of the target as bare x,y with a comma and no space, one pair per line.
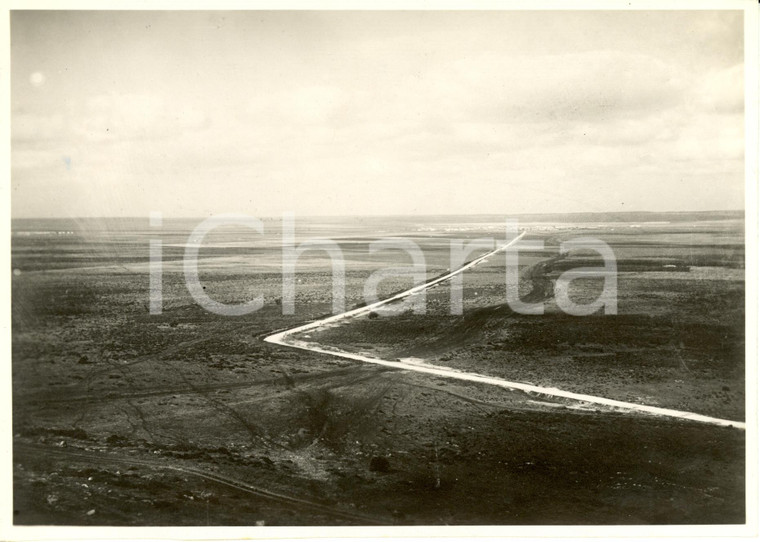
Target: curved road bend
281,338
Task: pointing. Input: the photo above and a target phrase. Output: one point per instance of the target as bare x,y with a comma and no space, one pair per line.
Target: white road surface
283,338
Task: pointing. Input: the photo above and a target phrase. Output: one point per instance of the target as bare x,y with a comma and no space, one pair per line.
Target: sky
369,113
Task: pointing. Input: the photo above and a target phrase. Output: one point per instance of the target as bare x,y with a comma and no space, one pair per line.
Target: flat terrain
188,418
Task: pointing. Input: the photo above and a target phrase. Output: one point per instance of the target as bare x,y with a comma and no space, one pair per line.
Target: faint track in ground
298,503
115,396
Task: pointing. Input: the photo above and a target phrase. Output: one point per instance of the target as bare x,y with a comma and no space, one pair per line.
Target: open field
126,418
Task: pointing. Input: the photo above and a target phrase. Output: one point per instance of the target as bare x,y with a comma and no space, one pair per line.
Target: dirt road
283,338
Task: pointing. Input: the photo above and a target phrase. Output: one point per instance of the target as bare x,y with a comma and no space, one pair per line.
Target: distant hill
634,216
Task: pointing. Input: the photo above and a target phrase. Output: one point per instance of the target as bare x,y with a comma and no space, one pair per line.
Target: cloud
117,116
487,113
37,159
37,127
587,86
310,104
488,87
720,91
110,117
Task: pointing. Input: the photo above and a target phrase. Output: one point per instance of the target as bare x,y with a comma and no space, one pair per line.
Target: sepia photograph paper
362,270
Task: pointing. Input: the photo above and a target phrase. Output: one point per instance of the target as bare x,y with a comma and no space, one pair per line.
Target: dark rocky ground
187,418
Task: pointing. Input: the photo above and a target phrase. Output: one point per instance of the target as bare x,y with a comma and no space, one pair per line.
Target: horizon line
403,215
